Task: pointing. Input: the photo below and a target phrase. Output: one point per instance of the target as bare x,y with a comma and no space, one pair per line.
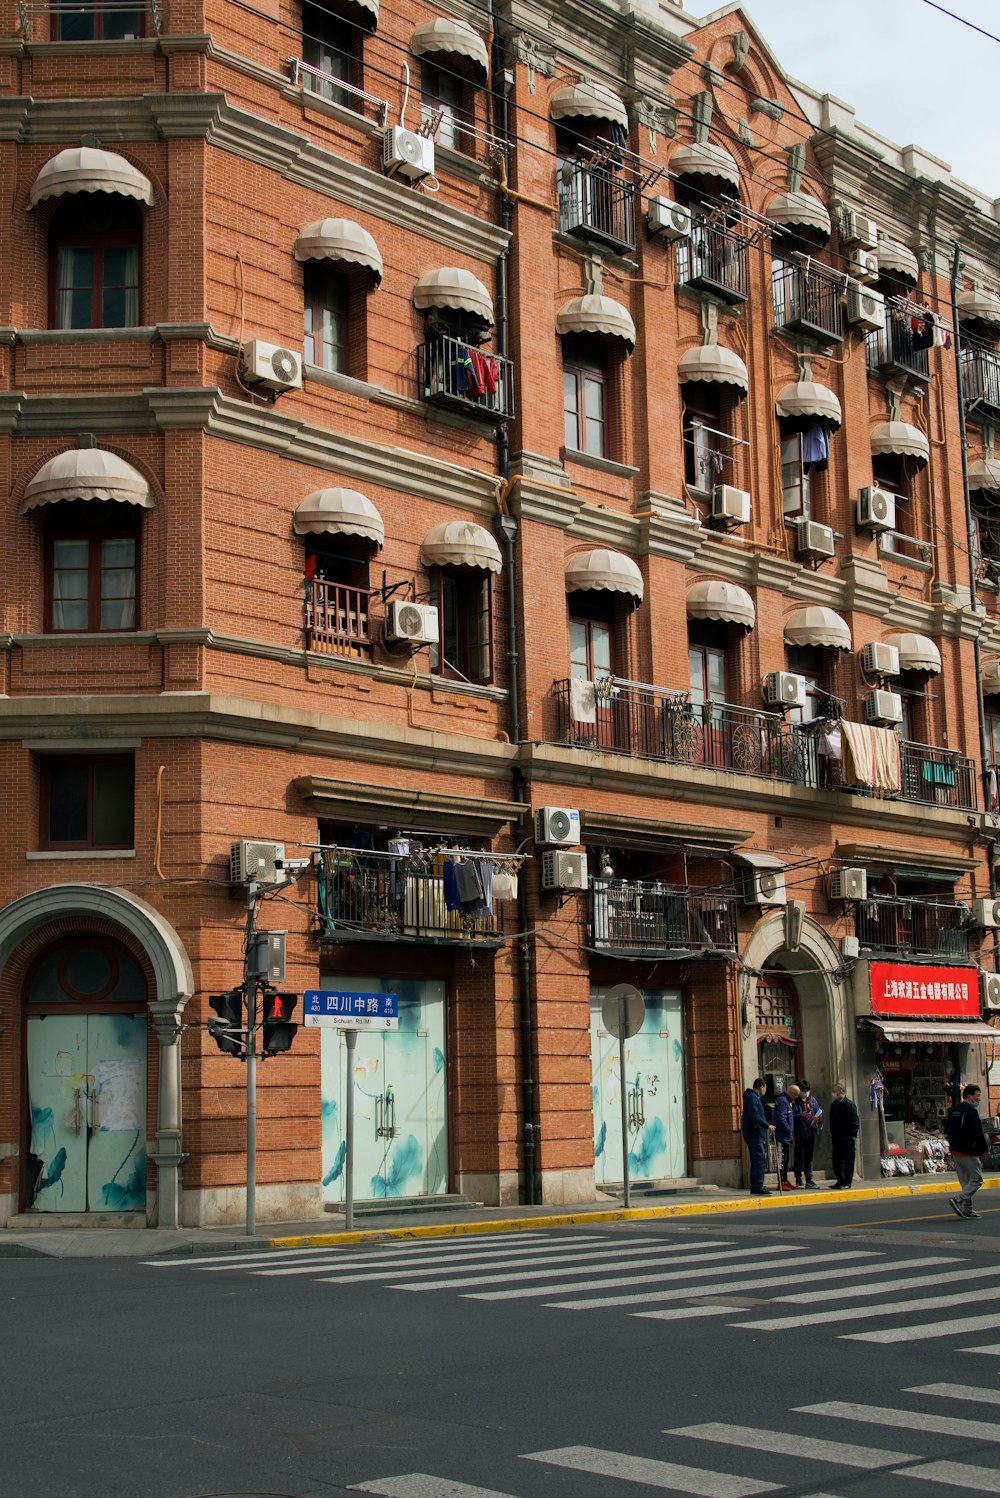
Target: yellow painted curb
701,1208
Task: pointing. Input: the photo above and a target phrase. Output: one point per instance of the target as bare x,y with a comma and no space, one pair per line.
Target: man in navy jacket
784,1131
754,1128
967,1143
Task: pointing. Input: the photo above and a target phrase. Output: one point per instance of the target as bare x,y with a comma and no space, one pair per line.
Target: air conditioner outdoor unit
876,509
857,228
866,308
416,623
730,504
849,884
815,540
668,218
252,862
784,689
271,366
880,659
985,914
406,154
864,265
989,987
559,826
765,887
884,708
564,871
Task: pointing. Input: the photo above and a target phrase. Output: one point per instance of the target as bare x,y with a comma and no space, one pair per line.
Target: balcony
713,259
337,621
981,380
594,204
928,776
891,351
919,927
647,918
458,376
368,896
807,300
89,20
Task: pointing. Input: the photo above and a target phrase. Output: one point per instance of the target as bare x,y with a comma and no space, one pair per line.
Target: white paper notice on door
121,1104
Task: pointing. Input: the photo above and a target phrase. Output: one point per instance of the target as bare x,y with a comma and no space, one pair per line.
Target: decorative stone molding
658,119
535,58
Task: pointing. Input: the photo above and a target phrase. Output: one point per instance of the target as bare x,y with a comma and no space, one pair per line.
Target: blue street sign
348,1009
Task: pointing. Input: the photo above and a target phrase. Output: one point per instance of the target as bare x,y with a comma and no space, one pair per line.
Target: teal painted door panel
654,1068
57,1097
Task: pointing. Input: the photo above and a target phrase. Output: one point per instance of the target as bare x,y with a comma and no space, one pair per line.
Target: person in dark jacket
844,1126
808,1118
754,1128
967,1144
784,1132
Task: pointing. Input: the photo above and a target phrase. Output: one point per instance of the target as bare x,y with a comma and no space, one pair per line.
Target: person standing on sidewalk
754,1128
844,1126
967,1144
808,1119
784,1131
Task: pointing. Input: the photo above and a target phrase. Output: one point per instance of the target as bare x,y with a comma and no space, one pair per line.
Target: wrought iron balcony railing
714,259
645,917
807,300
337,621
89,20
595,204
981,379
891,351
927,775
367,896
455,374
923,927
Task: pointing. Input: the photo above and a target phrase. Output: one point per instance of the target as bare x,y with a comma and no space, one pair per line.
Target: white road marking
916,1282
748,1437
386,1265
864,1313
929,1330
420,1485
677,1479
443,1246
993,1351
957,1477
648,1297
872,1414
953,1391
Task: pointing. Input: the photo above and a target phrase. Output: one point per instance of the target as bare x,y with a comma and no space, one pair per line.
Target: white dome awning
714,365
86,169
86,473
704,160
340,239
902,438
818,625
714,599
898,259
991,675
979,305
446,37
461,543
602,571
801,209
916,653
597,314
338,512
458,289
588,100
367,13
806,398
984,474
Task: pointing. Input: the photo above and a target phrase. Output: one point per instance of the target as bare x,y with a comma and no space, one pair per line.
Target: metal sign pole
352,1040
250,990
621,1074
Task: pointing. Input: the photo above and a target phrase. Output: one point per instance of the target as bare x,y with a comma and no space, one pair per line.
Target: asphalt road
818,1352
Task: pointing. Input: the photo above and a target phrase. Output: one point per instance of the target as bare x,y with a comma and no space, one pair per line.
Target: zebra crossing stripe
993,1351
868,1414
863,1313
957,1477
624,1468
929,1330
748,1437
611,1252
916,1282
444,1247
951,1391
389,1264
420,1485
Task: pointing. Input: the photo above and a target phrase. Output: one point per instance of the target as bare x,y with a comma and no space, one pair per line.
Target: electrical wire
962,20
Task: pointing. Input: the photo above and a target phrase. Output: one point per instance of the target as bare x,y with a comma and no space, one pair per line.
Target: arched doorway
779,1029
85,1034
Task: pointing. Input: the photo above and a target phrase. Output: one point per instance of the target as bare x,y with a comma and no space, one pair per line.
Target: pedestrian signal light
277,1029
227,1031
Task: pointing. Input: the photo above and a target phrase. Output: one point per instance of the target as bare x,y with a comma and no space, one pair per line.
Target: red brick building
417,423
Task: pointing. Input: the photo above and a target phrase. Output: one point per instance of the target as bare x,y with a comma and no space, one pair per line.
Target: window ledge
87,335
337,381
602,465
313,102
83,853
594,247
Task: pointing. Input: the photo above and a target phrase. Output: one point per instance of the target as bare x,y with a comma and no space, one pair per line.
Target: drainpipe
505,526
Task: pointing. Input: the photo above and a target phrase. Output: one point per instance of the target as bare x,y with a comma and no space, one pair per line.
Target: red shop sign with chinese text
906,989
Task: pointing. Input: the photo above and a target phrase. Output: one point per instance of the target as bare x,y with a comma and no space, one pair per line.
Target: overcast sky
911,73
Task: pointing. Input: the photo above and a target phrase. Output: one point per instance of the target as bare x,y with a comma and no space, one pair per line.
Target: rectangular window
97,286
325,318
328,44
796,495
92,583
87,802
465,617
444,94
76,23
584,410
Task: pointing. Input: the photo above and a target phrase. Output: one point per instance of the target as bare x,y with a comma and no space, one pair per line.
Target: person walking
967,1144
844,1126
784,1132
754,1128
808,1119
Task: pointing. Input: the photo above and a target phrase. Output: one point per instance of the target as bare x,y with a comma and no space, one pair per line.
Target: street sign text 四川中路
345,1009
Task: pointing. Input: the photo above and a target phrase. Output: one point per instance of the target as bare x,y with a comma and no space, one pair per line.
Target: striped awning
991,675
87,473
714,365
446,37
86,169
898,259
597,314
806,398
916,653
588,100
451,287
800,209
340,239
984,474
602,571
818,625
461,543
339,512
979,305
935,1032
902,438
704,160
713,598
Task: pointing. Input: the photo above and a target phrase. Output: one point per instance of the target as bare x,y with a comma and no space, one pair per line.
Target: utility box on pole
266,956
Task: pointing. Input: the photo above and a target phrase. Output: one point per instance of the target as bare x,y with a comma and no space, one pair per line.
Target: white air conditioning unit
857,228
784,689
730,504
880,659
764,887
670,219
564,871
884,708
559,826
864,265
989,987
985,915
815,540
271,366
876,509
866,308
849,884
406,154
415,623
252,862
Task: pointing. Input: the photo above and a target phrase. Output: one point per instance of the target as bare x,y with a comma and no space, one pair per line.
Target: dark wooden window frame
325,288
469,613
94,536
583,371
63,236
100,18
51,762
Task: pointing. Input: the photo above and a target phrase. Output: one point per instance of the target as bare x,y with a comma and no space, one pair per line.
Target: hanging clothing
504,885
582,701
461,370
871,756
452,901
485,870
815,444
468,883
831,741
619,140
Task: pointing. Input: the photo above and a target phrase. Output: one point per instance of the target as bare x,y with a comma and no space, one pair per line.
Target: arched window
95,244
85,970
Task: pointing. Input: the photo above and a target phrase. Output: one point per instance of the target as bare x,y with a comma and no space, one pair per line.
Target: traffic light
277,1031
227,1030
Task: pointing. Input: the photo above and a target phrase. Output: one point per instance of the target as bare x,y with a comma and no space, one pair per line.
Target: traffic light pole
250,989
352,1040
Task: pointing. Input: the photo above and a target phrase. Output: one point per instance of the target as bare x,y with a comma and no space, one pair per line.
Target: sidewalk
144,1243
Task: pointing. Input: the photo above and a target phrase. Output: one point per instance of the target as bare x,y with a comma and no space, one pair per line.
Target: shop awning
87,473
461,543
340,239
818,625
800,208
978,305
597,314
902,438
602,571
704,160
451,287
446,37
941,1031
712,598
338,512
86,169
916,653
714,365
984,474
899,259
991,675
806,398
588,100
